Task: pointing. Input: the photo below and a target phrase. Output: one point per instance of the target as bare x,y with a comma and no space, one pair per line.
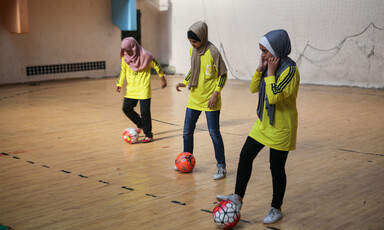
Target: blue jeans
213,120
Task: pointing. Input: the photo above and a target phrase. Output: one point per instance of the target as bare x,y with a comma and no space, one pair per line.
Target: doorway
135,33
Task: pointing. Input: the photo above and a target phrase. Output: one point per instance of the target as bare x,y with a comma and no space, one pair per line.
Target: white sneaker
273,216
231,197
220,174
175,168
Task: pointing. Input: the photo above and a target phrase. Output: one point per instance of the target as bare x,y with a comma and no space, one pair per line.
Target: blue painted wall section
124,14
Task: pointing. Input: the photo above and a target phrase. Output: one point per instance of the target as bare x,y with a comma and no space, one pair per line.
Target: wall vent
65,68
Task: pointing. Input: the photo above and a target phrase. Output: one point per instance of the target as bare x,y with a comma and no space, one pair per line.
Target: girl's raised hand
262,64
273,62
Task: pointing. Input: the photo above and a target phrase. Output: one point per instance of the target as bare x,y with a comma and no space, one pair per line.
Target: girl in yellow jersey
205,80
277,81
136,65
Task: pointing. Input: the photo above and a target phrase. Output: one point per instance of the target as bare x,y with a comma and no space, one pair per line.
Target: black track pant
145,121
277,161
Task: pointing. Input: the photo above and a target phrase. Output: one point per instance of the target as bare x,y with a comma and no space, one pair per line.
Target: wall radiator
64,68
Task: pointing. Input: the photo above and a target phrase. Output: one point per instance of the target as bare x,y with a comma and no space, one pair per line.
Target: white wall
61,32
154,33
239,25
68,31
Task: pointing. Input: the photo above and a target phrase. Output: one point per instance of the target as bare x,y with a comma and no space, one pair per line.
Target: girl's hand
118,89
178,86
163,83
262,64
213,100
273,62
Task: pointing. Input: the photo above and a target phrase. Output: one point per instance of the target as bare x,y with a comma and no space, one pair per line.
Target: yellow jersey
283,94
209,81
138,83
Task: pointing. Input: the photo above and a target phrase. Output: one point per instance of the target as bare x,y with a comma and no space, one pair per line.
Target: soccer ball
226,214
185,162
130,135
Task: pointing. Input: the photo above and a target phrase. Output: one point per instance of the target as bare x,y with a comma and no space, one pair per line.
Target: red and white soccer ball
130,135
226,214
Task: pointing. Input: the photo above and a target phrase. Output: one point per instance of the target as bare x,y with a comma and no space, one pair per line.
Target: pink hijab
139,59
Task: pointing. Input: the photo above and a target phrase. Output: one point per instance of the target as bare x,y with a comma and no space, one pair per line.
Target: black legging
277,161
145,121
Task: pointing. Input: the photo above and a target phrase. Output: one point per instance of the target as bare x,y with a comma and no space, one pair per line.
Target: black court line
69,172
205,210
245,221
208,211
104,182
23,93
274,228
130,189
127,188
352,151
169,123
323,89
151,195
178,202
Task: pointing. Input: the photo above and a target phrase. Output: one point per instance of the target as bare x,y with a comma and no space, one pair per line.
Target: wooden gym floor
64,164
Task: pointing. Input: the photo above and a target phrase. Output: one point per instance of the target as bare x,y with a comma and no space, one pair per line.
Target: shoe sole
220,199
219,178
146,141
275,221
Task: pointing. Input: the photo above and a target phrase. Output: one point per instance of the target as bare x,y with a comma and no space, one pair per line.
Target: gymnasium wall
333,42
154,29
62,33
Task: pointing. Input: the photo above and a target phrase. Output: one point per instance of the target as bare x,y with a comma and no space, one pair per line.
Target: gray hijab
280,43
